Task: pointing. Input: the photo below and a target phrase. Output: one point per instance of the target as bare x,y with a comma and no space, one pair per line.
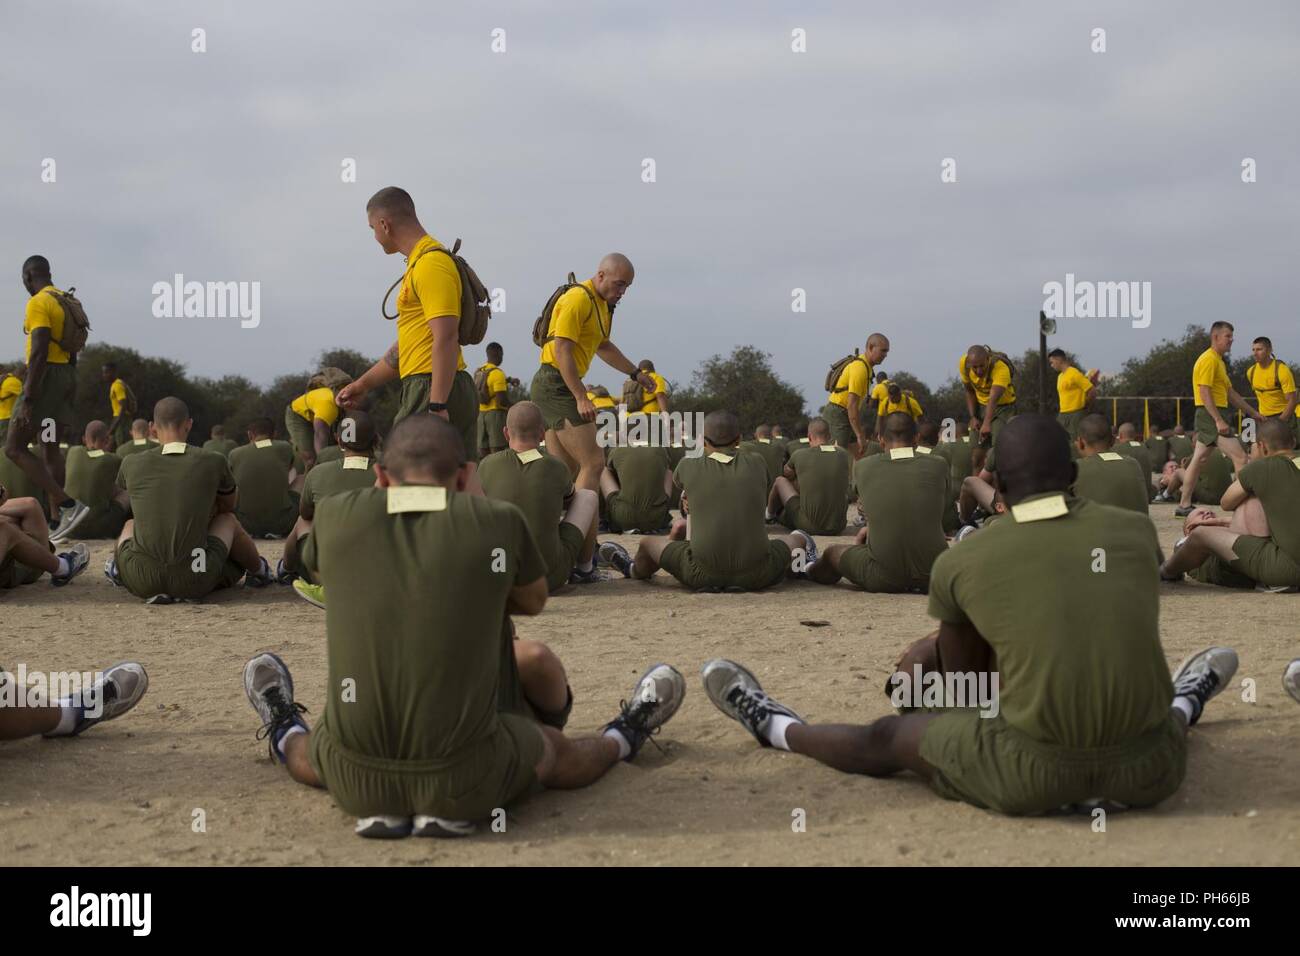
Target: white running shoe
1291,679
737,693
117,690
1203,676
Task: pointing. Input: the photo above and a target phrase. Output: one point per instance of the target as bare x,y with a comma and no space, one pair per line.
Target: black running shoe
1203,675
655,699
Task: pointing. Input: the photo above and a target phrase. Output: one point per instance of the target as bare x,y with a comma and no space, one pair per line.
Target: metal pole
1042,368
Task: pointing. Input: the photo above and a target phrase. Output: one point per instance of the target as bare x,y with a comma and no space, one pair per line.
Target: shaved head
423,449
95,435
360,428
763,431
392,203
927,434
721,428
139,428
976,352
170,412
613,277
260,427
1033,457
218,431
616,262
1276,435
819,428
1128,432
899,429
525,421
1094,431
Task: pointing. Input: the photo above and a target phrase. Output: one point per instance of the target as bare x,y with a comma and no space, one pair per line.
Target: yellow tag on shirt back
174,448
1136,444
1042,509
531,455
896,453
139,441
923,450
765,441
354,463
719,456
263,443
95,453
404,498
1109,456
827,447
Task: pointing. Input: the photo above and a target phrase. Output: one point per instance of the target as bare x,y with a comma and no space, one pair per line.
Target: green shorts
13,574
120,432
1003,415
860,567
145,576
989,764
624,517
571,538
678,561
1070,422
57,401
793,518
1206,432
302,434
105,521
549,393
487,775
1258,561
462,406
837,417
490,435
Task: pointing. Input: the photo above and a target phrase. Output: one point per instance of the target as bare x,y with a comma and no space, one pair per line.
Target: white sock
776,726
586,566
767,514
69,714
1185,705
279,745
624,748
64,568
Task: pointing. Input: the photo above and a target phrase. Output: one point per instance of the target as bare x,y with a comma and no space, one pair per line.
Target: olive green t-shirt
329,453
1180,447
134,446
222,446
958,455
823,474
640,471
1078,650
1275,481
773,456
1116,480
417,603
1137,451
1158,448
172,498
91,476
262,474
333,478
903,499
1214,479
538,488
727,498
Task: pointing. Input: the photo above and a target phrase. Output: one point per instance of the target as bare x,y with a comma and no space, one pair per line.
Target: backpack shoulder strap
437,246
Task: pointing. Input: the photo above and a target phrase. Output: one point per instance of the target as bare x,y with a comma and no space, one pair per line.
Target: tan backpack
633,395
475,302
331,378
995,356
833,376
542,327
76,327
481,384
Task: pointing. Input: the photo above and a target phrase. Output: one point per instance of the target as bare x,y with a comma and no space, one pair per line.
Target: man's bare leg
578,444
571,763
878,749
584,512
1205,540
826,570
783,489
238,544
19,722
542,676
297,762
1199,454
974,491
290,557
608,483
16,449
648,553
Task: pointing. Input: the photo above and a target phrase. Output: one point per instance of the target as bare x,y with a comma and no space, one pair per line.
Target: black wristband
437,407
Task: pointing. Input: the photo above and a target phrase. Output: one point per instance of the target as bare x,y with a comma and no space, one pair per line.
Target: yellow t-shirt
601,401
1272,385
906,404
854,380
1210,370
1072,388
880,395
430,290
44,312
10,388
318,403
998,374
651,398
574,318
117,395
497,387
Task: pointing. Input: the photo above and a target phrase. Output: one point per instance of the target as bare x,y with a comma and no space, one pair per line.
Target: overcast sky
775,170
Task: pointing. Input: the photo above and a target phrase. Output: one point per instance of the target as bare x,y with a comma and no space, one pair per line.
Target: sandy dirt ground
127,792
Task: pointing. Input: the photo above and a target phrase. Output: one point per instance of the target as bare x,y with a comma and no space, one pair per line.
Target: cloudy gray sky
775,170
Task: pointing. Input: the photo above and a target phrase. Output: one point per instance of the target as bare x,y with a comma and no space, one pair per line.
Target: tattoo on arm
391,356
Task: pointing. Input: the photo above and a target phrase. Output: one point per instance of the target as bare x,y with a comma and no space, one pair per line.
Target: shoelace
636,720
751,705
282,713
1200,686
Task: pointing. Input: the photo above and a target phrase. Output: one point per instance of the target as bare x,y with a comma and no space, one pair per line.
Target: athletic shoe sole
441,829
1291,679
298,586
383,828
